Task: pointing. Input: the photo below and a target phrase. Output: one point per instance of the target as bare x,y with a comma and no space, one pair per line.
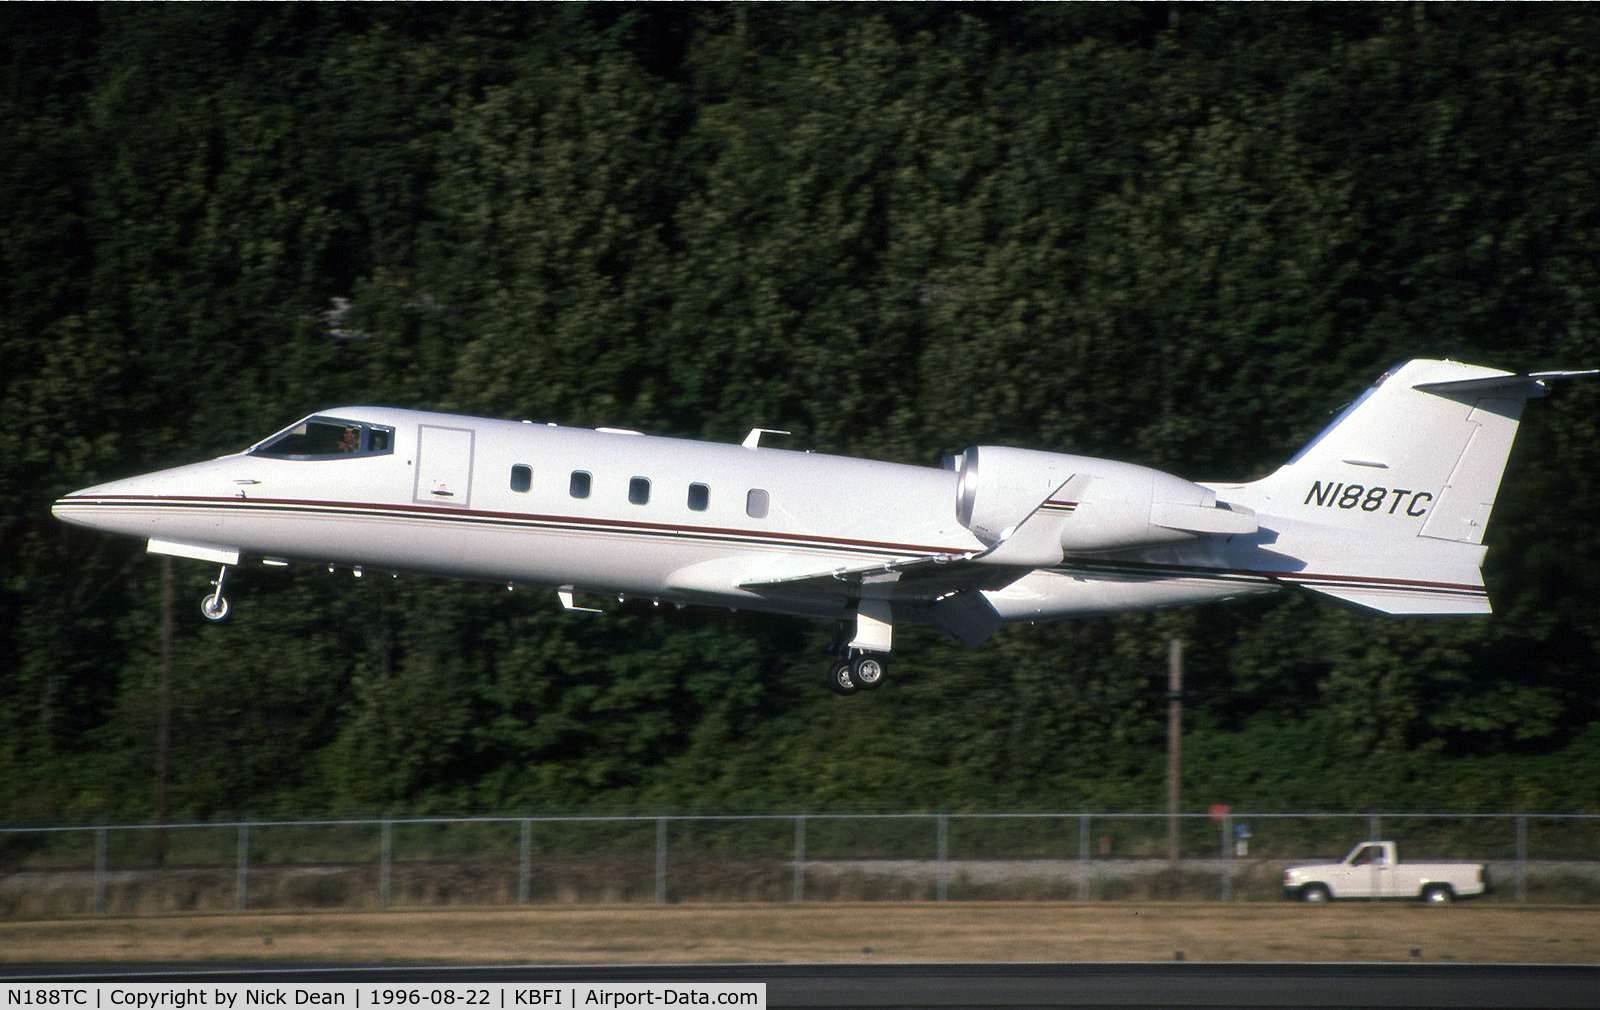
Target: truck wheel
1315,894
1438,894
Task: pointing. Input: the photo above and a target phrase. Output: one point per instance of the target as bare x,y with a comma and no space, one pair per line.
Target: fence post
525,864
1083,857
385,859
941,889
799,858
661,860
1522,858
100,871
242,875
1226,826
1374,833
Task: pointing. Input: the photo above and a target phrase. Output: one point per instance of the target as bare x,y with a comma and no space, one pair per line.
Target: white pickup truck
1374,870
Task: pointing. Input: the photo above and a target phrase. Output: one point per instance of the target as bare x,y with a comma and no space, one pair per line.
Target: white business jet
1384,509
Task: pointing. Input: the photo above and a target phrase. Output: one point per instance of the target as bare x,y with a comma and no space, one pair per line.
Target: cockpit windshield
327,438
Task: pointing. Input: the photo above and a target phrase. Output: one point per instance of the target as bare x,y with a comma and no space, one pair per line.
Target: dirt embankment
832,933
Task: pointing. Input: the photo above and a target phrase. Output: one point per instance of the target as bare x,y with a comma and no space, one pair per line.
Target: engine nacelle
1001,487
1134,506
1080,503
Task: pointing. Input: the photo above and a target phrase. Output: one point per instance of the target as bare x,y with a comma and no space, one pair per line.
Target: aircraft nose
62,508
94,506
126,505
163,503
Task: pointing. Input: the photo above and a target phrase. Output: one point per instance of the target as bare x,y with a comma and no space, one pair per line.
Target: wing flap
1414,599
925,578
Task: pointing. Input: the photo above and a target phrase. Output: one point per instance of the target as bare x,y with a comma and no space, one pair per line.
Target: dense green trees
1174,235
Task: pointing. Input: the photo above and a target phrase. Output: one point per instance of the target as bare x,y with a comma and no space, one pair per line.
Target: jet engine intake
1000,487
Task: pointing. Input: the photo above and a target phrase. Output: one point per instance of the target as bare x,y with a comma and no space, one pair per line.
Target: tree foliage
1175,235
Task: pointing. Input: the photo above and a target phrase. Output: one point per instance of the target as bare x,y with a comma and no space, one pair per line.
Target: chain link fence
132,869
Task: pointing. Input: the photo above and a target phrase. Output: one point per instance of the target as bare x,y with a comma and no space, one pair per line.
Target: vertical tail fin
1387,506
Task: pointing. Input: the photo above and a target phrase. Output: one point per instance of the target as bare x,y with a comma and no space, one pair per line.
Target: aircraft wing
1035,542
945,591
924,578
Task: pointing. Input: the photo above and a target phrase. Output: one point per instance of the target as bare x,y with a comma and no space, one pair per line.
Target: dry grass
831,933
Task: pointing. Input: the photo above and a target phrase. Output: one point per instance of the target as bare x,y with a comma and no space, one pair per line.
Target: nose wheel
214,606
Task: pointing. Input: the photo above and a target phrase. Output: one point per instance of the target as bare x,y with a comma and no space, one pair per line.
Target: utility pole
1174,742
164,713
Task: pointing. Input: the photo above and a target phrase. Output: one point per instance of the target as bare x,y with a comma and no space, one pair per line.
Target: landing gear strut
213,606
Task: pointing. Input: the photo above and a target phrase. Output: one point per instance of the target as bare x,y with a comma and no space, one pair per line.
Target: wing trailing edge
1400,600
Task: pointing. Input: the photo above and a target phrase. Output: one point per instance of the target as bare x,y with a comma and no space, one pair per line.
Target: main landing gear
854,644
853,668
855,673
214,606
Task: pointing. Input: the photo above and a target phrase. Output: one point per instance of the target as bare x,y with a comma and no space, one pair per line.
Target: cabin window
639,491
580,484
756,503
699,497
521,477
327,438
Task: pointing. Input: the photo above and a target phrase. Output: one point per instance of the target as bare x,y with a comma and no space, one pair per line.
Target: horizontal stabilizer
1528,386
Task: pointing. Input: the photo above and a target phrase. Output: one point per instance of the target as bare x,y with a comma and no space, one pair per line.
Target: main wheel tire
1315,894
866,671
1438,894
840,678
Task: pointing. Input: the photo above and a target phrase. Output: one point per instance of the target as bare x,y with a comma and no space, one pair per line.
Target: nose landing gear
213,606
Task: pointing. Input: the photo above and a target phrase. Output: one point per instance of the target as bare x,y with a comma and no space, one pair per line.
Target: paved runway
977,985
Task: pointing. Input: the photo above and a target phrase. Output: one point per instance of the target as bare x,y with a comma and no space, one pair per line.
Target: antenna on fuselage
753,440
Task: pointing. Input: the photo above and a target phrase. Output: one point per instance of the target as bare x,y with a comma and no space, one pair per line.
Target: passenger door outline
444,466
